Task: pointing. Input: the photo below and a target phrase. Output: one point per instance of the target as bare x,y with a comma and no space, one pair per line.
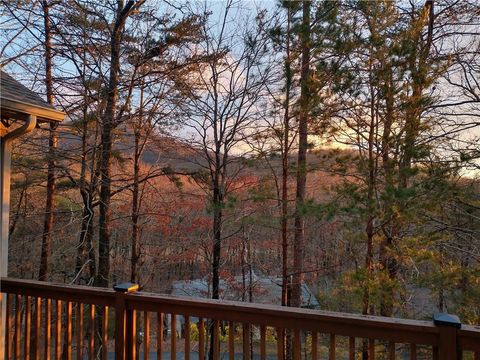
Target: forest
327,143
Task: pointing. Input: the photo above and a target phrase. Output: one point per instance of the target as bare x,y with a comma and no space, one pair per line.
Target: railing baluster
201,339
79,331
8,342
246,341
69,330
159,335
105,333
91,340
371,349
48,327
391,350
36,333
123,326
280,344
314,345
18,321
231,341
263,348
173,336
187,337
413,351
216,340
297,345
26,344
132,331
58,330
351,345
146,336
331,351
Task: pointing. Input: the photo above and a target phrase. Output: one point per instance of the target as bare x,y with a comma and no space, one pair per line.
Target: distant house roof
265,290
17,102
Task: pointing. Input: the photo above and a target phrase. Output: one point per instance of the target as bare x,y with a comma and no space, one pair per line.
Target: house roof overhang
19,110
20,103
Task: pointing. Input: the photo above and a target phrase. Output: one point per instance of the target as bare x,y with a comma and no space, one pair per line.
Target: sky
246,8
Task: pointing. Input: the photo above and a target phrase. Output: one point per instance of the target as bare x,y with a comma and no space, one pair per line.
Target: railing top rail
399,330
65,292
190,304
392,329
469,337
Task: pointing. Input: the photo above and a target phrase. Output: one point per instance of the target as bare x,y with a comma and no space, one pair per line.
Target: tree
225,105
304,107
109,121
280,133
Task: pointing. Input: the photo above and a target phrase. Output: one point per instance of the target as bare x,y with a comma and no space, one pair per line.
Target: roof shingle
11,89
18,102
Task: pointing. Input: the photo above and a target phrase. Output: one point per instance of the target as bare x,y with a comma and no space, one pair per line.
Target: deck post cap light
126,287
444,319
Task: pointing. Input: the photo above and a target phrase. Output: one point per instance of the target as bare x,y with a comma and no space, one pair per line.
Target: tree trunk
298,246
85,240
371,181
285,163
135,254
385,257
370,229
108,124
217,239
52,145
86,191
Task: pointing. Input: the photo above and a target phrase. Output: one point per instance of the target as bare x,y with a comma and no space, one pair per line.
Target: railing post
448,325
123,321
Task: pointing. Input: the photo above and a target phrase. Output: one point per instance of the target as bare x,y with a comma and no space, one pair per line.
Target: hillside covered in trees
331,143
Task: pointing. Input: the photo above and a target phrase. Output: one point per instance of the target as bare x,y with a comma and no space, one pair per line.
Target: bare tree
225,105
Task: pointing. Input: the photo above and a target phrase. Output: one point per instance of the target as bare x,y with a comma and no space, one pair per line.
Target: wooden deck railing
46,320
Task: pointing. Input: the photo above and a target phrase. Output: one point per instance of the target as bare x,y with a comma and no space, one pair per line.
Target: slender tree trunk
298,246
14,220
217,238
135,254
217,202
367,307
385,256
243,264
85,246
108,124
371,180
285,163
87,215
286,286
52,145
250,286
134,216
105,180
